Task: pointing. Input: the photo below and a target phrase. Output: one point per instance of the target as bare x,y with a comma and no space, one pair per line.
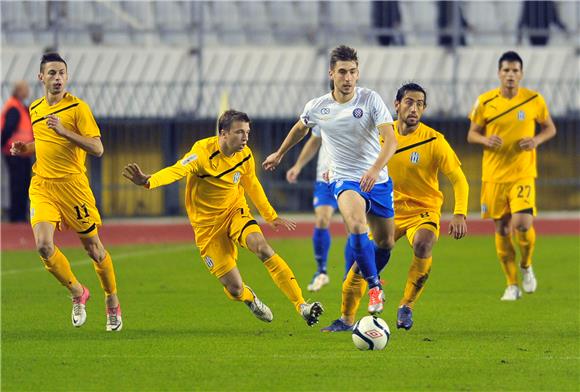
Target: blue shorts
323,195
379,200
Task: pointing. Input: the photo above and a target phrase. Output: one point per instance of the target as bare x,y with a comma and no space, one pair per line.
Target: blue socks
349,258
364,254
321,242
382,257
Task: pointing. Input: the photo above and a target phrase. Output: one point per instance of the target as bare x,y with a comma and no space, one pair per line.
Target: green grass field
182,333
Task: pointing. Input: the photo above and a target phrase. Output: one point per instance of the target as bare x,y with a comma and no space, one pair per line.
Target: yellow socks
527,242
418,275
58,265
507,257
247,295
353,288
106,274
284,278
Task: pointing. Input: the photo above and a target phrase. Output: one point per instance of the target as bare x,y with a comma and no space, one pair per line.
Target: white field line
116,256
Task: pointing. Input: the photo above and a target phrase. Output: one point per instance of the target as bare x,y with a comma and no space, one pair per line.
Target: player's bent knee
45,249
95,252
422,248
235,289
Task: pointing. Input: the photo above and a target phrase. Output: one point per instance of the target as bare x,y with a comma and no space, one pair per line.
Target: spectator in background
536,19
446,14
386,14
15,125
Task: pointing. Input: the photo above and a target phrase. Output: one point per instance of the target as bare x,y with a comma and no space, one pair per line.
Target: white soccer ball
371,333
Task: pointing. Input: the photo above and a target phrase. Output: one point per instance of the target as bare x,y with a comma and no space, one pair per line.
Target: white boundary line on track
117,256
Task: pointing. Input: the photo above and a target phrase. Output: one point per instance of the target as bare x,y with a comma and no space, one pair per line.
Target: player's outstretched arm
133,173
298,131
279,222
20,148
308,152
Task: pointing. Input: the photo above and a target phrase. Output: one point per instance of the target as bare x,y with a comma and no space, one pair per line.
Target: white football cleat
529,282
511,293
260,309
311,312
114,319
320,279
79,314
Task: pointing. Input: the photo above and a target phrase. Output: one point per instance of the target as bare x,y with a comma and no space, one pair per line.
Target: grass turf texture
181,333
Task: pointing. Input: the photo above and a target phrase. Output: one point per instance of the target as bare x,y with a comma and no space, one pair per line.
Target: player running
422,152
219,171
349,117
60,196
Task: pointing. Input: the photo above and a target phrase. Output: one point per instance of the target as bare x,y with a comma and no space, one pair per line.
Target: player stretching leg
503,121
219,171
422,152
60,195
349,117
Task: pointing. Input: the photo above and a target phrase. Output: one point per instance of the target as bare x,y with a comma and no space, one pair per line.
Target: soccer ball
371,333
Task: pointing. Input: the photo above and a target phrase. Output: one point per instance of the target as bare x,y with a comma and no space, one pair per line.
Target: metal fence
155,144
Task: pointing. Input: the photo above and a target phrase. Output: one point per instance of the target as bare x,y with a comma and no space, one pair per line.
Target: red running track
19,236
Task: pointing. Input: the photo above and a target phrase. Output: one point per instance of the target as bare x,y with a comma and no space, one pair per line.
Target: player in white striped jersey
349,117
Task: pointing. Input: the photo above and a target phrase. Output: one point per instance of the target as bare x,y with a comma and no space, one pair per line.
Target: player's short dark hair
410,87
510,57
342,53
49,58
229,117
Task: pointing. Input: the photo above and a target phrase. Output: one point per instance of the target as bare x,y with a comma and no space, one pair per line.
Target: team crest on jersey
237,176
414,157
208,262
521,115
484,208
31,212
357,113
325,111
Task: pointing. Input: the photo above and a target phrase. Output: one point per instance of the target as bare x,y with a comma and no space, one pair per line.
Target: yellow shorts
409,224
66,203
499,199
218,244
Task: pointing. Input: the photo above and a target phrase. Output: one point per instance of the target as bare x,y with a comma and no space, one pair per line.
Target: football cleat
529,282
320,279
404,317
511,293
337,326
376,300
114,319
259,309
311,312
79,314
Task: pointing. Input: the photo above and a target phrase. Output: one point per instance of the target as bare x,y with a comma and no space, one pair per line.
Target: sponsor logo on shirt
414,157
357,113
325,110
185,161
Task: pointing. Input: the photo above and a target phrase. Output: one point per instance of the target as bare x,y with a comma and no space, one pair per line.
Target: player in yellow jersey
60,196
421,153
503,121
219,171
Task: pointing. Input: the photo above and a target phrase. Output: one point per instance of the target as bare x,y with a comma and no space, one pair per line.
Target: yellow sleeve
542,109
447,159
186,165
254,189
460,190
476,114
86,124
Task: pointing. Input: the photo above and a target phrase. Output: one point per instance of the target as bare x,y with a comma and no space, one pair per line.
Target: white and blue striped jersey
349,133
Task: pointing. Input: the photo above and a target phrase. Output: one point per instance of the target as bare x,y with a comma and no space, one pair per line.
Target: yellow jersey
414,169
512,120
56,156
216,183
